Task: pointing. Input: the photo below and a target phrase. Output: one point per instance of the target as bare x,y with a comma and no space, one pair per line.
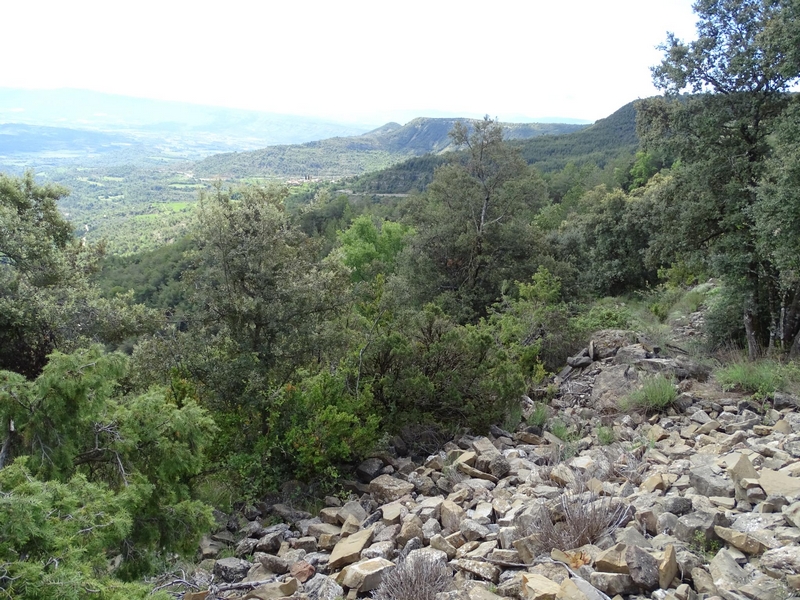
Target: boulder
386,489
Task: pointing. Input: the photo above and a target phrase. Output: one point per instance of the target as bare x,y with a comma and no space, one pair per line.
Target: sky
350,60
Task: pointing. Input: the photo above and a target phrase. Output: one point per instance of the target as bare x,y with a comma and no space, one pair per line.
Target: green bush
601,316
656,395
74,427
561,431
55,537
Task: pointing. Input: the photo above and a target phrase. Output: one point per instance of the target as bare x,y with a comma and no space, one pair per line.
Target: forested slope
344,156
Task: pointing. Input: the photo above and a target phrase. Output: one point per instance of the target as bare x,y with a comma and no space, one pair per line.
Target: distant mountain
605,140
18,138
154,120
345,156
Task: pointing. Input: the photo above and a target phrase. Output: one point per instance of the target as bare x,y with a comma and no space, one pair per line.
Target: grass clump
561,431
538,417
656,395
606,436
760,378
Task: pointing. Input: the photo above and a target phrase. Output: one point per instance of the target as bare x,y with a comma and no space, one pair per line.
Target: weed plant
606,436
656,395
538,417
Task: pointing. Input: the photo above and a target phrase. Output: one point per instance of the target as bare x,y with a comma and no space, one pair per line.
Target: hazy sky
349,59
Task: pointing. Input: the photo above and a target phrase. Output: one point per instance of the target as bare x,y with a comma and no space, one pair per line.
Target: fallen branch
215,589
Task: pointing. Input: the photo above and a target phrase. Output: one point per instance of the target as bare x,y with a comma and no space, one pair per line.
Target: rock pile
700,502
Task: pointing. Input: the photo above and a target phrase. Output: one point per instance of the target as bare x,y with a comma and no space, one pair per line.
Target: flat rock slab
349,549
386,489
779,484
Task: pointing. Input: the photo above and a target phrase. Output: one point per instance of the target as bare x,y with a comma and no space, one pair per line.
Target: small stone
538,587
668,567
614,583
483,570
643,568
302,571
773,482
612,560
231,569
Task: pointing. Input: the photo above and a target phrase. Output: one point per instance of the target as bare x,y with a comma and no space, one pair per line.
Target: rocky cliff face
700,501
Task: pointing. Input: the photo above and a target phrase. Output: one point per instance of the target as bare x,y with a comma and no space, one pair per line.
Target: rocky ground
701,501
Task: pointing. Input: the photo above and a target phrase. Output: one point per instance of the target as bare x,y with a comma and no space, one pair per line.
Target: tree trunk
753,349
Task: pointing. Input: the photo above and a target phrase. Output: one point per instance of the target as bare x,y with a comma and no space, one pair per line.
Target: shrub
416,577
603,317
656,394
578,519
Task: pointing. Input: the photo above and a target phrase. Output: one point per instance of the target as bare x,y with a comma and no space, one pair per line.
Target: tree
473,223
74,446
740,68
46,299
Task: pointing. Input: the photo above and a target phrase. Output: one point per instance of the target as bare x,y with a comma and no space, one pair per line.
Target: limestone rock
349,549
366,575
614,583
781,561
708,483
612,560
779,484
386,489
231,569
668,567
321,587
273,591
538,587
643,568
484,570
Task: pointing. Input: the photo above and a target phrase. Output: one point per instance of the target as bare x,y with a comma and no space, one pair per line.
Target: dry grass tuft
576,520
416,577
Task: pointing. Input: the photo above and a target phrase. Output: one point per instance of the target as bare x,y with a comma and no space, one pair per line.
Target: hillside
599,143
344,156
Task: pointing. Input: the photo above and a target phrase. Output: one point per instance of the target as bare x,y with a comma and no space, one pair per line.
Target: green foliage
744,61
760,378
536,329
606,435
603,316
46,301
539,416
368,250
561,431
470,222
144,450
55,537
330,425
656,394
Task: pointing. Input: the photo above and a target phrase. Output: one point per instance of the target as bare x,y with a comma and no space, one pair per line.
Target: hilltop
599,143
354,155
